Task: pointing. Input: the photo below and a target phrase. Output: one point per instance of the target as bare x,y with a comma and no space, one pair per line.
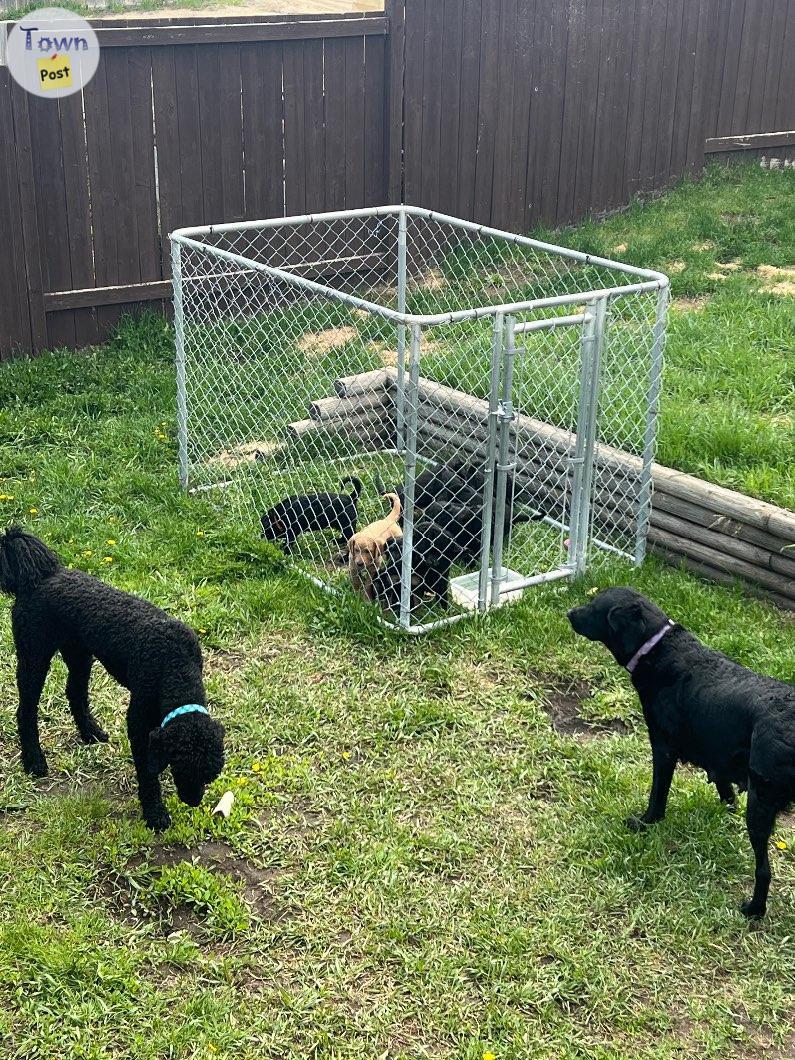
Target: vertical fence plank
488,104
294,141
376,184
15,331
314,132
261,78
354,122
572,109
508,95
335,123
468,107
432,104
596,72
452,36
414,94
33,247
785,107
393,103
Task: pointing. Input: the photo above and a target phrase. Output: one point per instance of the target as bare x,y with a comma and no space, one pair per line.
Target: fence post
179,340
588,405
505,414
410,464
650,436
400,410
491,459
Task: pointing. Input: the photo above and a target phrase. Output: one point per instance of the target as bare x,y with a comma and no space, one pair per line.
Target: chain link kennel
504,390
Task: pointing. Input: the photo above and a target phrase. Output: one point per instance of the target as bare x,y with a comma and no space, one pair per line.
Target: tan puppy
366,548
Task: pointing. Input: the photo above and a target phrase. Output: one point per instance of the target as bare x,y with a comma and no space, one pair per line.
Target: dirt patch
691,305
729,266
216,660
256,883
779,281
673,268
246,453
563,707
316,343
706,245
620,248
717,276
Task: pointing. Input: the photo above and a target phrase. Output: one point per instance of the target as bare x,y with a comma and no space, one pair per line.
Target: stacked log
718,533
363,412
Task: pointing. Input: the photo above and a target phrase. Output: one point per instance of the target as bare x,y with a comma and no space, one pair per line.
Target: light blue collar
189,708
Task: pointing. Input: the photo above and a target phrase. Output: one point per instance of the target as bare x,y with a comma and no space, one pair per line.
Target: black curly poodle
153,655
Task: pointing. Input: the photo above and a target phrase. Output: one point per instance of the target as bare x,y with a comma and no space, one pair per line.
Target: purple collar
644,649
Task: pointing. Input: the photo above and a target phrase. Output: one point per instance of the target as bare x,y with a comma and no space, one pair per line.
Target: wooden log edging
715,532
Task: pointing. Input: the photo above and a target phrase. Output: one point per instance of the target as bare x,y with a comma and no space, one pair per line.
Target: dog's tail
25,562
356,486
394,514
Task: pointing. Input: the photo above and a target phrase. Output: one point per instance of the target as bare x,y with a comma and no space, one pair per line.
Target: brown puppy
366,548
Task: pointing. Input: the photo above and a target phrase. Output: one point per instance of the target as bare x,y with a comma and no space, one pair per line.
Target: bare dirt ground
253,8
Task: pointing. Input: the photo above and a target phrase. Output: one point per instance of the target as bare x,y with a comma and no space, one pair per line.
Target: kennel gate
387,341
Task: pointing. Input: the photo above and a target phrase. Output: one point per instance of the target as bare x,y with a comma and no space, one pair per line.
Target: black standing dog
154,656
701,707
306,512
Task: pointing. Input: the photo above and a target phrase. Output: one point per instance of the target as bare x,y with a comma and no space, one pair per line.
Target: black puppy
702,707
154,656
455,482
446,533
306,512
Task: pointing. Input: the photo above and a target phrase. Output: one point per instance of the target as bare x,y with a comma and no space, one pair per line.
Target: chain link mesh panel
343,385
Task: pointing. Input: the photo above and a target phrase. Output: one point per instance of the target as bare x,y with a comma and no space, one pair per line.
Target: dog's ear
378,552
624,617
158,757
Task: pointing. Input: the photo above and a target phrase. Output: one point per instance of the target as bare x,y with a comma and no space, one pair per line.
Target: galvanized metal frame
506,327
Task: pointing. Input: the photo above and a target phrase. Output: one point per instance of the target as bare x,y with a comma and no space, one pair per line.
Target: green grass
729,386
417,863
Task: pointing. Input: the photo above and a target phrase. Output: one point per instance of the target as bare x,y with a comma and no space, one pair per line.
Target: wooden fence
502,111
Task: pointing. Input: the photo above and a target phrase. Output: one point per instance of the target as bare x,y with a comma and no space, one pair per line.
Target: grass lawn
426,855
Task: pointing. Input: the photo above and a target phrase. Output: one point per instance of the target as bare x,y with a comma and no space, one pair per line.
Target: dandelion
33,511
242,781
87,553
111,541
199,533
6,497
107,559
489,1056
256,767
781,844
202,630
346,755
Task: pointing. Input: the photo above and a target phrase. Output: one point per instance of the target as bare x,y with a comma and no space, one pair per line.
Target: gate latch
505,412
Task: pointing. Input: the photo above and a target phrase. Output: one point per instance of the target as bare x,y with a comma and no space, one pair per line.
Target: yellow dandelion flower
107,559
6,497
88,553
256,767
111,541
781,844
33,511
242,781
489,1056
202,630
346,755
199,533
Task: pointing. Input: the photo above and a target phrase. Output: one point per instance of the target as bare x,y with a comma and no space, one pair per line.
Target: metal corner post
505,415
590,373
400,411
491,459
179,339
645,484
410,465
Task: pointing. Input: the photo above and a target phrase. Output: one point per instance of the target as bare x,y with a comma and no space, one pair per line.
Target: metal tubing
428,215
491,459
410,464
552,322
577,546
400,413
506,417
179,340
593,336
650,436
537,579
582,297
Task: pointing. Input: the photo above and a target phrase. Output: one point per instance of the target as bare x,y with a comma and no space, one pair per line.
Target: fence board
261,78
354,124
468,106
14,318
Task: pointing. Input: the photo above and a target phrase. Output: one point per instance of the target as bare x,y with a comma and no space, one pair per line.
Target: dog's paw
752,910
158,819
636,824
35,765
92,733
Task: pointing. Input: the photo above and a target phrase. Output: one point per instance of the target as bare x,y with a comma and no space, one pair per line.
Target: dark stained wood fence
508,112
751,94
182,125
